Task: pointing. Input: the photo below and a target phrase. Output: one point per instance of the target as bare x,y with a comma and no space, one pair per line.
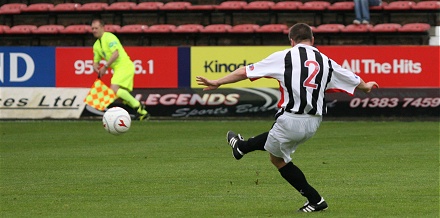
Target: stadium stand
48,29
38,7
272,28
21,29
65,7
113,28
133,28
3,28
188,28
259,5
219,22
12,8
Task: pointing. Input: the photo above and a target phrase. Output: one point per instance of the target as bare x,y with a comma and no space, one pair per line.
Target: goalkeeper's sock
296,178
127,97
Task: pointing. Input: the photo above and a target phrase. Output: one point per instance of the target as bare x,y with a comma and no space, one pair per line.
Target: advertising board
41,103
155,67
262,102
390,66
214,62
49,82
27,66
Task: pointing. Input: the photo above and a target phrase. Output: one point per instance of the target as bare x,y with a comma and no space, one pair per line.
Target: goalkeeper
108,47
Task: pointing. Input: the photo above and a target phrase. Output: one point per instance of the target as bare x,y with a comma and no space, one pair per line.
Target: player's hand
101,72
370,85
210,84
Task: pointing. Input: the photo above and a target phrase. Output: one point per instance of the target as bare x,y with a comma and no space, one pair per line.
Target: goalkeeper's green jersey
104,48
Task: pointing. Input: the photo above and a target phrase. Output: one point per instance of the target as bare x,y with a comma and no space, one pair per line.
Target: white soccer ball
116,120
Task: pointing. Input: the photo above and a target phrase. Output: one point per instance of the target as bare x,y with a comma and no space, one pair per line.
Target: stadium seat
418,32
12,8
228,8
120,6
341,6
180,6
160,28
272,28
379,7
286,5
132,28
21,29
399,5
148,6
354,28
258,5
94,6
329,28
341,10
76,29
113,28
201,7
286,31
314,5
3,28
65,7
48,29
187,28
426,5
216,28
243,28
385,27
414,27
38,7
231,5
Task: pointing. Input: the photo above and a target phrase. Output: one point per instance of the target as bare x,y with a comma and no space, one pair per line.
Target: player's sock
254,143
127,97
296,178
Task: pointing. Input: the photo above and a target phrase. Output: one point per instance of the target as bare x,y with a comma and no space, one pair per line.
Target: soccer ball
116,120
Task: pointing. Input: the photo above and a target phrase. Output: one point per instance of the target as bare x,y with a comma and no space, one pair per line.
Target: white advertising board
41,103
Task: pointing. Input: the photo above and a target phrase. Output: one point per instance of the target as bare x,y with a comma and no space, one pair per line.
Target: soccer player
304,75
108,47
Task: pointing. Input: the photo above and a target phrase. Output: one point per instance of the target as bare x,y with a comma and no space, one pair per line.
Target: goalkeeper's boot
320,206
232,140
141,113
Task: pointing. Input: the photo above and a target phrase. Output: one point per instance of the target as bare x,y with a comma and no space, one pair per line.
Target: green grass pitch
185,169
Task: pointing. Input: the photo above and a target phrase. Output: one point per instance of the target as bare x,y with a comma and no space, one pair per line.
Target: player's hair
300,32
99,20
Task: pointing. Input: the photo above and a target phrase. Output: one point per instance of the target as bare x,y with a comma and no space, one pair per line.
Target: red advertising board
390,66
155,67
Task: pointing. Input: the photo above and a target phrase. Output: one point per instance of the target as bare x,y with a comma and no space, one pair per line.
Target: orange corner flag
100,96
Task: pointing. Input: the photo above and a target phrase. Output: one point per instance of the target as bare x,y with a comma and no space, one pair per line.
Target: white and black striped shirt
304,75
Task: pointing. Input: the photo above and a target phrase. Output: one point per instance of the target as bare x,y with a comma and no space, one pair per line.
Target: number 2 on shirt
308,82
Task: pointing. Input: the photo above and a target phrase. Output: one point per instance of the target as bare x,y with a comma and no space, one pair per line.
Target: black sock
296,178
254,143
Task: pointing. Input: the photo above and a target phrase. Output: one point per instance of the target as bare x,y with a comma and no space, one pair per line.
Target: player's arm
237,75
113,58
114,45
110,61
96,59
347,81
367,87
